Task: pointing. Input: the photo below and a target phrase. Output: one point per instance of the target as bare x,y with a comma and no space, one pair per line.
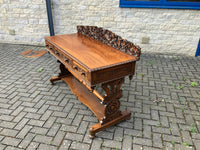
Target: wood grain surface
90,52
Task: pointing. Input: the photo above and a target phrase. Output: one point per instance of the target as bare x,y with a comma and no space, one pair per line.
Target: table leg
112,113
107,109
63,73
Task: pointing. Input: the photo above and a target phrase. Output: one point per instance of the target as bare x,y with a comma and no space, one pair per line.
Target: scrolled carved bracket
109,38
111,100
112,90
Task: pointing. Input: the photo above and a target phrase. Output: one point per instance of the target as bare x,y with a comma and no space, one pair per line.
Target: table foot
98,127
53,79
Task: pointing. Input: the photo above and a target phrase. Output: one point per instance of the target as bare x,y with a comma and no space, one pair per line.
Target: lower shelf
85,96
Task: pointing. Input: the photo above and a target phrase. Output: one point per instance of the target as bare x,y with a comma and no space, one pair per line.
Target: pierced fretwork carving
111,39
111,100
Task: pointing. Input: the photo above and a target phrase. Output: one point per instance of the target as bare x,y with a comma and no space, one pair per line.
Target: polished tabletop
90,52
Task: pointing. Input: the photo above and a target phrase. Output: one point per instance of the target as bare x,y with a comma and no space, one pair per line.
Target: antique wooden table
95,56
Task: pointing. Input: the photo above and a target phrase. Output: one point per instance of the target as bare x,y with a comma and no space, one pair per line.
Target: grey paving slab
162,96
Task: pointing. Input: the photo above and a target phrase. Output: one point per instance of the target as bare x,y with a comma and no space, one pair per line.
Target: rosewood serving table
95,56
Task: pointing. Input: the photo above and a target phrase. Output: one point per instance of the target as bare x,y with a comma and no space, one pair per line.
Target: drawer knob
75,67
67,60
83,74
57,53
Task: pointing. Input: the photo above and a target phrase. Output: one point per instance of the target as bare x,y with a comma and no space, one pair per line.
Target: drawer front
49,46
74,67
113,73
80,70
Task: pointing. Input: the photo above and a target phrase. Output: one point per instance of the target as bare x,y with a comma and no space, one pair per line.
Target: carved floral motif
111,99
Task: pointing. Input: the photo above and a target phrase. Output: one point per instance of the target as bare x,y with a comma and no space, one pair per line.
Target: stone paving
164,98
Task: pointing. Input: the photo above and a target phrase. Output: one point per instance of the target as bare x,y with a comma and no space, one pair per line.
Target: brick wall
23,21
165,30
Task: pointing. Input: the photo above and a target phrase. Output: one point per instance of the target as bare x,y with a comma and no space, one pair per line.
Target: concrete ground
164,98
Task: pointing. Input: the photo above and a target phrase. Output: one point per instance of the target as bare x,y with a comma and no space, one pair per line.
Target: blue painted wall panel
198,50
160,4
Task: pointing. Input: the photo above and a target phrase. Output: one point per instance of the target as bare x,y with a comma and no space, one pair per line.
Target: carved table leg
112,113
63,73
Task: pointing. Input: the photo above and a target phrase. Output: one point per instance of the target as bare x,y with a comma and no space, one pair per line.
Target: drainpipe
50,19
198,50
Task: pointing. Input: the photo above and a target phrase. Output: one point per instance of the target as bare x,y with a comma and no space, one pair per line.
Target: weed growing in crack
193,84
176,59
186,144
193,128
180,87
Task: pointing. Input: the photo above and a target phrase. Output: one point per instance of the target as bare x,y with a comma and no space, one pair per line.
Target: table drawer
80,70
73,66
49,46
